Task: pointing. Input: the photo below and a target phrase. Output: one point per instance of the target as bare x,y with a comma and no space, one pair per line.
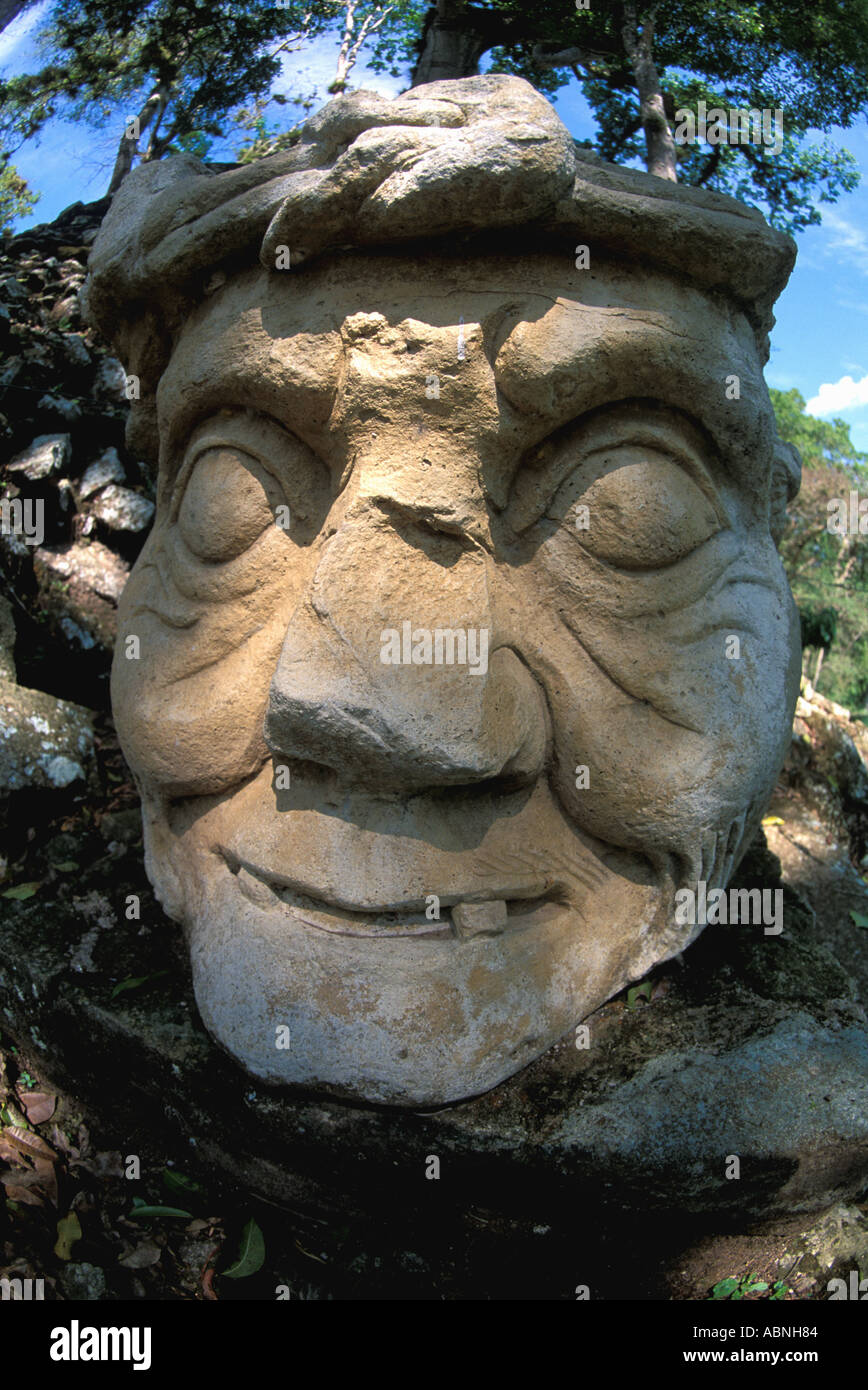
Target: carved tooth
479,919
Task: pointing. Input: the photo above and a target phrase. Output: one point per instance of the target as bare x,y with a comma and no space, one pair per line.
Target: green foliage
735,1289
198,61
809,61
261,138
820,442
251,1253
180,1184
135,982
828,573
202,62
818,629
16,199
143,1212
638,992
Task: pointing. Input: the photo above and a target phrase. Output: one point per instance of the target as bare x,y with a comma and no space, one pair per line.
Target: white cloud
847,238
835,396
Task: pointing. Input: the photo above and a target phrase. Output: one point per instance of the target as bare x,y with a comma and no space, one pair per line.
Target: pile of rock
76,507
46,744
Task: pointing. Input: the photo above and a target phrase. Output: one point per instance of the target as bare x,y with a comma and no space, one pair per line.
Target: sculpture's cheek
190,680
681,716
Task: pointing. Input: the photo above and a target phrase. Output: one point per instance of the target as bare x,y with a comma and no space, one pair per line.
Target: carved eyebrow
579,357
284,369
624,424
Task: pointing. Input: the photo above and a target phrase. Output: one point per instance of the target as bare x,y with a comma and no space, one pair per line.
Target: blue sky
820,342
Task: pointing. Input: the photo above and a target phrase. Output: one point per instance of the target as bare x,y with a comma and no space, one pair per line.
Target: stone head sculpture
462,638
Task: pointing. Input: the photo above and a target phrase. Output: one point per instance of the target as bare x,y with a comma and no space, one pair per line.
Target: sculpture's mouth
475,915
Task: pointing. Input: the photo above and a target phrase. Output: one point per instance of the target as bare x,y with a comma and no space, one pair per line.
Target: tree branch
710,165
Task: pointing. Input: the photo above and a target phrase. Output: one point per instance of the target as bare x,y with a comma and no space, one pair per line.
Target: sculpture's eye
228,500
635,508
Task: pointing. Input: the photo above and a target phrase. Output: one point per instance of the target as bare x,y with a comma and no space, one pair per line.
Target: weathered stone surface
463,648
81,585
65,593
121,509
44,742
7,641
106,469
49,453
83,1283
58,406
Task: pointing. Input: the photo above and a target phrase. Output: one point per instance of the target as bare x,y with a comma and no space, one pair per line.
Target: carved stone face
553,466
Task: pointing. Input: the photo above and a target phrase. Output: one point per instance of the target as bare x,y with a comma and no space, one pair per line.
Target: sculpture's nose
393,671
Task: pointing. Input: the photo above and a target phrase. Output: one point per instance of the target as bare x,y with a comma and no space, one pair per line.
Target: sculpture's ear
786,481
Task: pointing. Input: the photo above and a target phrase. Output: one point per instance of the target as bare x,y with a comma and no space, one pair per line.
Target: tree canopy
828,569
188,71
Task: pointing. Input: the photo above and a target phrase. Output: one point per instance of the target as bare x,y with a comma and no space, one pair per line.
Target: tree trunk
352,41
660,145
342,69
129,143
454,40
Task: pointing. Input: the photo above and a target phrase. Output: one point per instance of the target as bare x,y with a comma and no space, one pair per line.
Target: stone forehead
476,166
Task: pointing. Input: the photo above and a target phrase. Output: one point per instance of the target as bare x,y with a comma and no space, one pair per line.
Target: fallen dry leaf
62,1143
206,1278
145,1254
47,1176
39,1106
17,1189
8,1152
28,1143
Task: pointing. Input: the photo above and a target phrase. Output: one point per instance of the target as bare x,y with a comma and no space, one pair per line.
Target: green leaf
134,981
725,1288
146,1211
22,891
68,1232
859,918
642,991
179,1182
759,1287
251,1253
66,866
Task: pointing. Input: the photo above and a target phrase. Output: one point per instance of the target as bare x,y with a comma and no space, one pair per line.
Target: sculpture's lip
484,913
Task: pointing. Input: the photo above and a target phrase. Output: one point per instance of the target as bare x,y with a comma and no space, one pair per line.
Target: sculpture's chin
410,996
395,1011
